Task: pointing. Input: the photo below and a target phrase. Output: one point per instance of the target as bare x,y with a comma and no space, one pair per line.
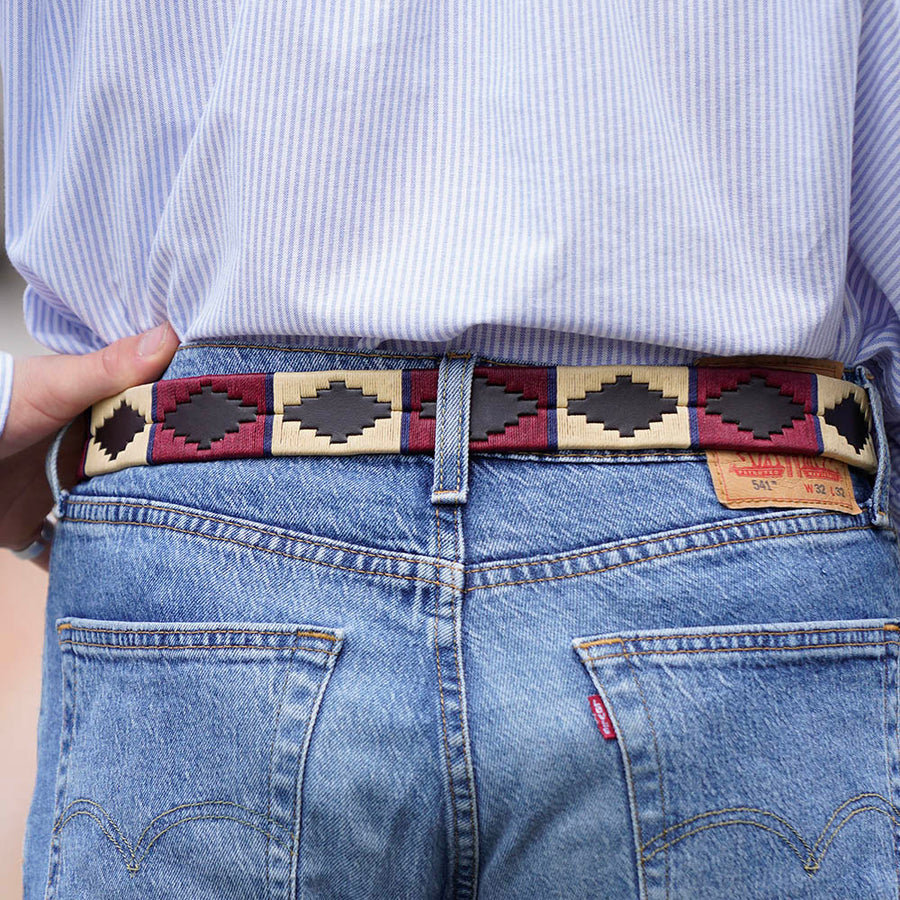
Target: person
472,449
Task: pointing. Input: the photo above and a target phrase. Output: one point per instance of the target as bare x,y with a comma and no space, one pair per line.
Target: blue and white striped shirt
591,182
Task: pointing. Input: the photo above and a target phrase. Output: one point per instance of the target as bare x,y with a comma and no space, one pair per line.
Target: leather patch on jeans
744,479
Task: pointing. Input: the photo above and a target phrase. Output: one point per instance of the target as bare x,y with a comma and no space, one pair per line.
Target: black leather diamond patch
494,408
848,419
119,429
338,411
757,406
624,406
208,416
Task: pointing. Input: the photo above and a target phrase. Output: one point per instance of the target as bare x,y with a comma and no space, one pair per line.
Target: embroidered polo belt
512,409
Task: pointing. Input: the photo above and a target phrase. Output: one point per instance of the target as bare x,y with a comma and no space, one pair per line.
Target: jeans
578,674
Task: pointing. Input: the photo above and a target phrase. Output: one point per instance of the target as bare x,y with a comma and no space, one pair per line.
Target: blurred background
23,588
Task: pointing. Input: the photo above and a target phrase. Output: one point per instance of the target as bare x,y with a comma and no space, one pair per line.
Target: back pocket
182,756
760,760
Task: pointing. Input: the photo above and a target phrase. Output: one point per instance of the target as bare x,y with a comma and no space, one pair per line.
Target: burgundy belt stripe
513,409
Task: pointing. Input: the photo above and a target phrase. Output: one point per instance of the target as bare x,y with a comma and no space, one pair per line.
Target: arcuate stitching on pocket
811,855
157,641
130,852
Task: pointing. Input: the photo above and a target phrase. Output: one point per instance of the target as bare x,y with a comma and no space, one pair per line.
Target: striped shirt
593,182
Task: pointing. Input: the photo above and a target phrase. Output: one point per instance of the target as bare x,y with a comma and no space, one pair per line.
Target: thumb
48,391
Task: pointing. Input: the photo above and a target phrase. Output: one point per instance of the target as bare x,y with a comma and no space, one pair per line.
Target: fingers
49,390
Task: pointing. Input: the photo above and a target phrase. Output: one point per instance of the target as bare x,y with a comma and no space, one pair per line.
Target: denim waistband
454,374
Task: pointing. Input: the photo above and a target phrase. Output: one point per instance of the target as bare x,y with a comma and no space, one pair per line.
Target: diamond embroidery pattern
849,421
758,407
494,408
208,416
338,411
624,406
119,429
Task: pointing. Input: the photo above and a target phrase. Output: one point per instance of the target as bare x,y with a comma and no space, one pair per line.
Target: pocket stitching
659,770
814,853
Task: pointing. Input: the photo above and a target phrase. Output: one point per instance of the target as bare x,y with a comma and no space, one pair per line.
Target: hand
47,392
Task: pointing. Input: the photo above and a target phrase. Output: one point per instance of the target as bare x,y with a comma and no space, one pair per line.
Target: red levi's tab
601,717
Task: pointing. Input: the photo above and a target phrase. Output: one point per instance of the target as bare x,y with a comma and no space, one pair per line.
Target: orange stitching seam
811,863
659,771
743,649
732,809
459,678
443,430
723,525
631,562
437,655
282,693
704,635
250,546
196,647
312,634
233,524
629,784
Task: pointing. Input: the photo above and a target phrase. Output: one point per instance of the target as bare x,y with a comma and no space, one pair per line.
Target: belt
513,408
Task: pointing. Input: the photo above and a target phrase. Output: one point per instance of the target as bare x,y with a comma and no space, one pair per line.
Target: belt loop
880,500
451,431
51,467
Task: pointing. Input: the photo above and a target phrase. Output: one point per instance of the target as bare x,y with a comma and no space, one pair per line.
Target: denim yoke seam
437,565
642,542
250,546
249,526
671,553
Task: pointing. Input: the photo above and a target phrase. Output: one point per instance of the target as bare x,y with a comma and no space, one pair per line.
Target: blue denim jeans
327,677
